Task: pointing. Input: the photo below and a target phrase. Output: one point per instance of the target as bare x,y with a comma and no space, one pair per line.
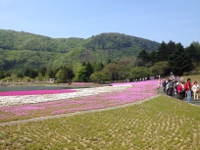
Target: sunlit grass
193,78
159,124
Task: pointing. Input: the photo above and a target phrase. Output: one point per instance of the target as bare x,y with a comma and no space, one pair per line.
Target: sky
156,20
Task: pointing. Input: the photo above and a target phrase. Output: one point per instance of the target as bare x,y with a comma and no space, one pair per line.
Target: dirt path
76,113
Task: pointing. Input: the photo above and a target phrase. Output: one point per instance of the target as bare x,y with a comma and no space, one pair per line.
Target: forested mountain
21,50
12,40
104,57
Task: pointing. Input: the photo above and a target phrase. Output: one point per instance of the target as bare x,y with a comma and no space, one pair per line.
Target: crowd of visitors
176,87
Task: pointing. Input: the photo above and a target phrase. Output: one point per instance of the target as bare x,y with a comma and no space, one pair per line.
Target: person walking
188,88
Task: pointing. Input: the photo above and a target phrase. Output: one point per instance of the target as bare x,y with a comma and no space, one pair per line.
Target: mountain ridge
24,49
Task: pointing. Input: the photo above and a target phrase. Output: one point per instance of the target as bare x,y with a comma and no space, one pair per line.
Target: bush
185,73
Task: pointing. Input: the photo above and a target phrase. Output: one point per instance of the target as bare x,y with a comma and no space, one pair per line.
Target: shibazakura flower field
162,123
18,107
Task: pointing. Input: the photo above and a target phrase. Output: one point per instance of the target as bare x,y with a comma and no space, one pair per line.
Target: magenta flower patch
135,92
34,92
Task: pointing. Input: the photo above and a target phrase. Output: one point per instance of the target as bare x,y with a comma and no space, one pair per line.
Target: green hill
19,50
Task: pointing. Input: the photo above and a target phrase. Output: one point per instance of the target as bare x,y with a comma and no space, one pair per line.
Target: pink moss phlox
138,91
35,92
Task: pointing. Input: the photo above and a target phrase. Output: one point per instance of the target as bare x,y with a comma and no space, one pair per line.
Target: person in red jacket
188,87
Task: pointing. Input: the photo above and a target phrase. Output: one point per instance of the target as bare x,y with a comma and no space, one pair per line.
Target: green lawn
159,124
193,78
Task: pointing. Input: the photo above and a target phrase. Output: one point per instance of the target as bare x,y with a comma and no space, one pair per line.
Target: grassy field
193,78
162,123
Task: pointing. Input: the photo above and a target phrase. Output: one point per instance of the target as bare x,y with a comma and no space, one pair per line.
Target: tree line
168,57
171,57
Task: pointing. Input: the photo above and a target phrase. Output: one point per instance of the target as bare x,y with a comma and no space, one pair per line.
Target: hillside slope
22,49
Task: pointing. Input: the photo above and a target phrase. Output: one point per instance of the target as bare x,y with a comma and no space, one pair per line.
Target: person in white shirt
195,88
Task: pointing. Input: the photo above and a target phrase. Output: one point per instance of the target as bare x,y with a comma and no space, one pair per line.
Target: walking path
192,101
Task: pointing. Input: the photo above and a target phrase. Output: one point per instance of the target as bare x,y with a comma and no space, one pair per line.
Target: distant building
51,80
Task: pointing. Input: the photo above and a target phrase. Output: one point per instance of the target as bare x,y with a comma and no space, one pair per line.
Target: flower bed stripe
34,92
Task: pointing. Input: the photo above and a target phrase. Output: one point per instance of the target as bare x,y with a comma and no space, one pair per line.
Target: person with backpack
187,88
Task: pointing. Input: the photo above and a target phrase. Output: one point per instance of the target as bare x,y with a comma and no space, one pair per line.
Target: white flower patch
28,99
